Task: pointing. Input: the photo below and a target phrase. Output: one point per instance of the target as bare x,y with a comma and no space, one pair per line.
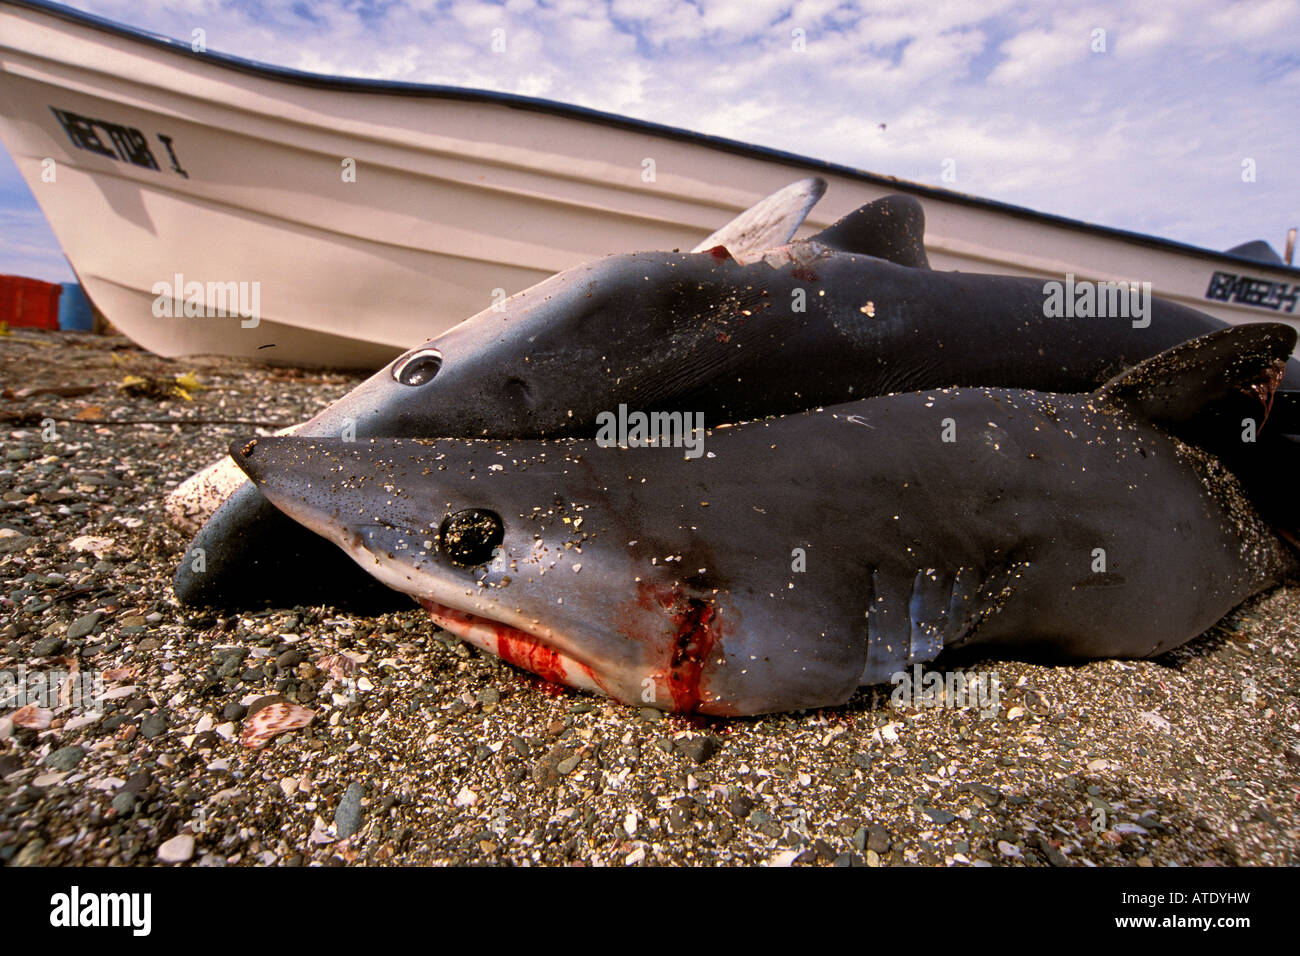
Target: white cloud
948,53
1273,23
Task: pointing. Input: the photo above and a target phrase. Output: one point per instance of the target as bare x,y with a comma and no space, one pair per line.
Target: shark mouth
515,646
508,642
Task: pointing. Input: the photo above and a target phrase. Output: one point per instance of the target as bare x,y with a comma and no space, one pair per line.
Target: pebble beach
308,736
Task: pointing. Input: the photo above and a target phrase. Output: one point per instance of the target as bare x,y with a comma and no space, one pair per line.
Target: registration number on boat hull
125,144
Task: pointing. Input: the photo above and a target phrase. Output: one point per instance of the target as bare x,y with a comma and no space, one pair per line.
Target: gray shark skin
851,313
662,580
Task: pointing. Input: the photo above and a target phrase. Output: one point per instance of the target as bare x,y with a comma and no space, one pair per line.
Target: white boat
328,221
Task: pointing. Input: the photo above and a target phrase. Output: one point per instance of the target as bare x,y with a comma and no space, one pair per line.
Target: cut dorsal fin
1259,250
891,228
1182,383
768,223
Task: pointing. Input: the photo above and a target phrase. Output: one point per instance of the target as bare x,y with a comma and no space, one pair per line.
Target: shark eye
418,367
469,537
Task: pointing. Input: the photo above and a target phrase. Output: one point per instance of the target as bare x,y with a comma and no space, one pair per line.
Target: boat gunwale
599,117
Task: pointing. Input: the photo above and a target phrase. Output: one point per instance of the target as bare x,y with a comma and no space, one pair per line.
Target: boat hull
364,218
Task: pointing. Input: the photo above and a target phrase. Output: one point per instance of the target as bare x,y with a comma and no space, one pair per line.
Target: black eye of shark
418,367
469,537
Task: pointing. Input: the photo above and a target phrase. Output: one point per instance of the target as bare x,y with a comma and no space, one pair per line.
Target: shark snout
502,560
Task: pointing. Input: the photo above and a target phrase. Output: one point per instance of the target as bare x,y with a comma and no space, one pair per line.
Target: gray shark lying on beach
1023,522
737,330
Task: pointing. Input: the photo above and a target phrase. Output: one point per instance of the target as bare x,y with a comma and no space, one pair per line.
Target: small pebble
699,749
347,818
178,849
233,711
65,758
47,647
83,625
153,725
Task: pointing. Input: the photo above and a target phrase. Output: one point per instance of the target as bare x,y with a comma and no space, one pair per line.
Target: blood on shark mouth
515,646
687,647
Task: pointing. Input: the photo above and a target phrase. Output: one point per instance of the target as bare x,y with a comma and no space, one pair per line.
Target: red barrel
29,302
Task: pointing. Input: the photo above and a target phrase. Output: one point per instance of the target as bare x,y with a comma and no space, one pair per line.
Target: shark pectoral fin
768,223
912,617
891,228
907,616
977,597
928,610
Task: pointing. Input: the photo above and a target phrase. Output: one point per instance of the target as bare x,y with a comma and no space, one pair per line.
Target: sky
1138,116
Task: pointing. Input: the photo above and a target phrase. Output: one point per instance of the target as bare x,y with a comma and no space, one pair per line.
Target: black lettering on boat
125,144
1262,293
171,154
82,132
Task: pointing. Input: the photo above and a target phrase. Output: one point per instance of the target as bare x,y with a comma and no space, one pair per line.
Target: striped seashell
273,720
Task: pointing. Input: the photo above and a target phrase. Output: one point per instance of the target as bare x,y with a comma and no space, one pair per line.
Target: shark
748,324
804,556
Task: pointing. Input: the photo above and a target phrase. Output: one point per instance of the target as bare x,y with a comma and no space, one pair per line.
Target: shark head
545,554
543,362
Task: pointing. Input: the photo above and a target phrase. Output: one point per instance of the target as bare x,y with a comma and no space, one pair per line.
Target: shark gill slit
692,645
912,623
